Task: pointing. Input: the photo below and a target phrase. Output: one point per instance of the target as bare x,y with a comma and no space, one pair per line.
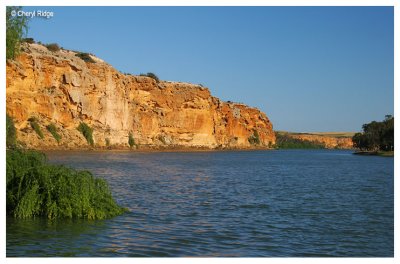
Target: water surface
296,203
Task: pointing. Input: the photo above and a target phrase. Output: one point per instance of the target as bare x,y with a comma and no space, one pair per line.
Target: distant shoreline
375,153
155,149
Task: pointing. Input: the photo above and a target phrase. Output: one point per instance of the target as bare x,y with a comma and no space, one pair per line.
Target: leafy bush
53,130
131,140
35,188
254,139
11,133
16,28
151,75
85,57
36,127
53,47
107,142
87,132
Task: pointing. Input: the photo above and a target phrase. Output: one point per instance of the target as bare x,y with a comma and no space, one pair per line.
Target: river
283,203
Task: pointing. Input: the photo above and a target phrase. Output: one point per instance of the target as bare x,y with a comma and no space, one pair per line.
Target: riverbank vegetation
35,188
376,136
285,141
11,133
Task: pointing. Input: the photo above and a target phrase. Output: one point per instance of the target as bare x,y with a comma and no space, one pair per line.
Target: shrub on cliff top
53,130
85,57
28,40
53,47
151,75
87,132
11,133
36,127
35,188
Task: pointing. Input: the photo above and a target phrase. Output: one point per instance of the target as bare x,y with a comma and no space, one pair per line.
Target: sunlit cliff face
60,88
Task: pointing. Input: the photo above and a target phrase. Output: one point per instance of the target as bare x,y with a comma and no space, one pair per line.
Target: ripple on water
245,204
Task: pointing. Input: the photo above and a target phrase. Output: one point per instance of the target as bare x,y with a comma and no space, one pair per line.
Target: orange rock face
329,142
60,88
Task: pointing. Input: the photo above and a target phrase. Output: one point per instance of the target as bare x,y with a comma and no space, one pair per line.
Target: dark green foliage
85,56
285,141
131,140
87,132
36,127
53,47
151,75
53,130
16,28
254,139
376,136
11,133
36,188
28,40
107,142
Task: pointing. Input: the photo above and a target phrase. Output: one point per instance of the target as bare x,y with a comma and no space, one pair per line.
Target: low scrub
254,139
34,124
87,132
28,40
151,75
38,189
53,47
85,57
53,130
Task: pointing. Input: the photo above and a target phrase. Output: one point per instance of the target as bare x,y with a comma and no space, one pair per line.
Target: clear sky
308,68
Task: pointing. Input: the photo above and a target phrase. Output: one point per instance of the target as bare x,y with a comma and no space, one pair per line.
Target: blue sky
308,68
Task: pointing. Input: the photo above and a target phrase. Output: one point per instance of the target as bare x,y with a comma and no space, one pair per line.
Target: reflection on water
262,203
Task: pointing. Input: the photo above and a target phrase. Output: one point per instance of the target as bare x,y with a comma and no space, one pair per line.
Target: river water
285,203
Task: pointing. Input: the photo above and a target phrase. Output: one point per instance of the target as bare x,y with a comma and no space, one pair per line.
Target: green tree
376,135
16,29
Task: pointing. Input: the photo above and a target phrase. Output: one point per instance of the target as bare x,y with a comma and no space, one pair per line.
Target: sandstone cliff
330,142
61,88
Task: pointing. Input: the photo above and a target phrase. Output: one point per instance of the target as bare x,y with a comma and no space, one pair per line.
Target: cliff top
75,57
